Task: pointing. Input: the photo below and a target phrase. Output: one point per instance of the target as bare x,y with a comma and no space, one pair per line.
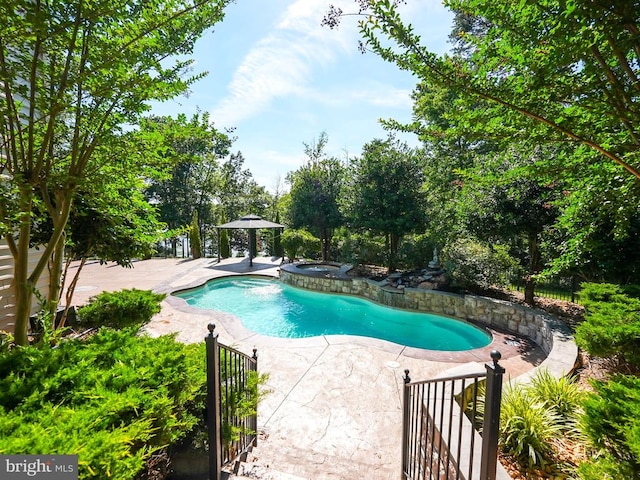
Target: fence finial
211,327
255,353
495,356
407,379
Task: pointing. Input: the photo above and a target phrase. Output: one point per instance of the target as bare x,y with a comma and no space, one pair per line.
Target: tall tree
501,206
315,190
239,194
550,70
72,74
196,245
194,148
385,192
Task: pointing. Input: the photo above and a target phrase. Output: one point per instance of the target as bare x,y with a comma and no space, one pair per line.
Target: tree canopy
315,190
551,70
74,75
385,192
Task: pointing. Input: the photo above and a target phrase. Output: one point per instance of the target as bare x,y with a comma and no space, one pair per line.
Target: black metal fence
561,288
232,431
440,421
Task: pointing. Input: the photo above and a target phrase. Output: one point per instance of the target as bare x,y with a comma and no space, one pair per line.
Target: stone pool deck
334,407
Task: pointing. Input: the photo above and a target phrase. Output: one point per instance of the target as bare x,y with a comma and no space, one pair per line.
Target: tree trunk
23,287
25,282
70,291
394,241
326,245
23,291
55,277
534,261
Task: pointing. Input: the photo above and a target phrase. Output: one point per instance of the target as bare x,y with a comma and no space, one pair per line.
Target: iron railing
559,288
231,431
440,421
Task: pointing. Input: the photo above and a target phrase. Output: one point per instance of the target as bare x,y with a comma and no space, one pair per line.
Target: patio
334,410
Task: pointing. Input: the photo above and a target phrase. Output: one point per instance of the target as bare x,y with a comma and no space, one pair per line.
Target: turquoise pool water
272,308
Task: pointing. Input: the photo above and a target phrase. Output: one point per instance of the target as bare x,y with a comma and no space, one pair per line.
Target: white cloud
283,62
370,93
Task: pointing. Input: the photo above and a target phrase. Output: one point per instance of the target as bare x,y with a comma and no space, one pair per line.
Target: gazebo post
252,241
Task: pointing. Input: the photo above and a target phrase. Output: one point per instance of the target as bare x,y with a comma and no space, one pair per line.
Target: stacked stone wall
542,328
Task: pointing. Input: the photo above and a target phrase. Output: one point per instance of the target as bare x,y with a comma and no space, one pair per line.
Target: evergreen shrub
612,322
113,399
120,309
360,248
612,423
296,241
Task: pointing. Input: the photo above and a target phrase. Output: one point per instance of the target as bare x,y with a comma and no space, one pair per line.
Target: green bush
612,322
224,247
360,248
113,399
415,252
296,241
611,421
527,426
196,243
121,309
471,264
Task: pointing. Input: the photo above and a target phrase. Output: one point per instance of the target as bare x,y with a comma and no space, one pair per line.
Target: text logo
45,467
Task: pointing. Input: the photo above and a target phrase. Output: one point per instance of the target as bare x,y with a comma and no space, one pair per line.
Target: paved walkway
334,407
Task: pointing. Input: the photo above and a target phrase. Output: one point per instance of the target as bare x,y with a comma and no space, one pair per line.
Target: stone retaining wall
544,329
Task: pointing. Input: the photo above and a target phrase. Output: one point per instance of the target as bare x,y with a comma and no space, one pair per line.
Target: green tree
68,95
239,194
276,239
555,71
196,244
224,248
314,195
501,206
385,192
114,223
193,147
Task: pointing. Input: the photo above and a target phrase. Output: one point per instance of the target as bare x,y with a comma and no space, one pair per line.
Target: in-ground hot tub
318,269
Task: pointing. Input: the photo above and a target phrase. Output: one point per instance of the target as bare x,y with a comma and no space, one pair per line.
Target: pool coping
507,343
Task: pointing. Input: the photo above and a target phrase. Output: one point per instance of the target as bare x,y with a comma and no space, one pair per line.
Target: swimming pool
272,308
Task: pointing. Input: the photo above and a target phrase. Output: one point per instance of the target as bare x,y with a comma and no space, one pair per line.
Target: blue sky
280,78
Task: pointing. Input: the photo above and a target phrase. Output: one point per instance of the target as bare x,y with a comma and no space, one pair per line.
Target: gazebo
251,223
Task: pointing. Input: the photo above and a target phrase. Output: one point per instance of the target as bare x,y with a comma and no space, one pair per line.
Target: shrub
563,395
360,248
611,421
612,322
471,264
113,399
295,241
196,243
224,247
121,309
415,252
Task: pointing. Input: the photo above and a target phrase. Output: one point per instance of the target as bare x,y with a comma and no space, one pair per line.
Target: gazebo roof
250,221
